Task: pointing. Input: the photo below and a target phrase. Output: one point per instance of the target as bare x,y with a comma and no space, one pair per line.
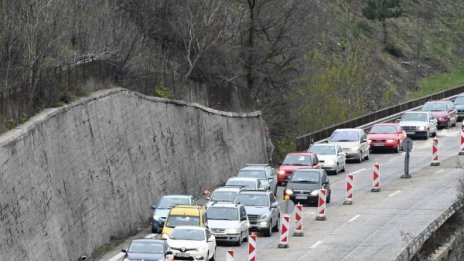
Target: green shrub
163,92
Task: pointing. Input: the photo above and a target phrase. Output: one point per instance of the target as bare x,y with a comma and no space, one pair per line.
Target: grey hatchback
304,185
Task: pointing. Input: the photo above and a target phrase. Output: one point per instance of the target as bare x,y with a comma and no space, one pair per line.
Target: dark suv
262,209
304,185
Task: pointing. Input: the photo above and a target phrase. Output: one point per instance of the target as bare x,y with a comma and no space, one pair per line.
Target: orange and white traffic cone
322,206
252,247
298,220
349,190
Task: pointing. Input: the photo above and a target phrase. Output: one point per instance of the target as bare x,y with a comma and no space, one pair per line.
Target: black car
146,249
304,185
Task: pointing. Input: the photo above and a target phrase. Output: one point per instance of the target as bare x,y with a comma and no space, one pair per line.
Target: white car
223,194
419,124
190,242
246,183
228,222
331,156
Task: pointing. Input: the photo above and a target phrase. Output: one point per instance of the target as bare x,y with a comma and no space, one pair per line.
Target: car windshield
224,196
383,129
222,213
305,176
171,202
188,234
175,220
302,160
414,117
344,136
459,100
252,200
322,149
246,184
259,174
146,247
434,106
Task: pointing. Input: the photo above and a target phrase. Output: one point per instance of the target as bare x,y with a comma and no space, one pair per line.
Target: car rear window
344,136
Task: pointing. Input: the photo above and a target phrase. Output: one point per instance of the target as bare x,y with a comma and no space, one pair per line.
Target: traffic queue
184,229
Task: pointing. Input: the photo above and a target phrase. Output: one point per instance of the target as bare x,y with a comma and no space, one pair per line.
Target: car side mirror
397,120
275,204
169,252
153,207
244,218
208,198
124,251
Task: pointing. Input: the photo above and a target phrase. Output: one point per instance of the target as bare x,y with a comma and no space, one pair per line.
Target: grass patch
439,82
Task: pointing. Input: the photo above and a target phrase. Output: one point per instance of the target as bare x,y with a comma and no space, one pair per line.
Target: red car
444,111
386,136
293,161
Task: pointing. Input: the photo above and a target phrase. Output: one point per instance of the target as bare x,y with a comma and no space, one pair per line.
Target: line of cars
247,202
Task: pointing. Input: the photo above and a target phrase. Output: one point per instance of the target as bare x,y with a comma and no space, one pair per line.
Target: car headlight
289,192
354,149
315,192
390,141
203,248
281,172
233,230
126,259
264,216
156,217
422,128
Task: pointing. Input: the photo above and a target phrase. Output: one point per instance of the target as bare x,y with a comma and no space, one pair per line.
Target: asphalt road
379,224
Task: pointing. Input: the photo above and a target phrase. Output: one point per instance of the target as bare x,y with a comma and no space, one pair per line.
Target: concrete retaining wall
73,177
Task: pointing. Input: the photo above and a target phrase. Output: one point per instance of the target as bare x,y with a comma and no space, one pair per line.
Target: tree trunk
384,26
250,52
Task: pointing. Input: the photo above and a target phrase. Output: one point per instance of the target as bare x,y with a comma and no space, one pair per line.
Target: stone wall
72,177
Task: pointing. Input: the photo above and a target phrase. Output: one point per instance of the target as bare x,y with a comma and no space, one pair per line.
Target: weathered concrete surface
72,177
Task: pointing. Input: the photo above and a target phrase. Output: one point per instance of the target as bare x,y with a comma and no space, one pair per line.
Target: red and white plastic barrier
252,247
461,150
376,178
435,161
230,255
298,220
284,228
349,190
322,206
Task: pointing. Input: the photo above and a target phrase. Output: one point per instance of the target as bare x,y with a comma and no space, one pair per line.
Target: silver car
331,156
419,124
228,222
353,142
264,172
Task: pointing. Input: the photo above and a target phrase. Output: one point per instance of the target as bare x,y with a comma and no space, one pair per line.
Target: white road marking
358,171
316,244
439,171
354,218
394,193
117,257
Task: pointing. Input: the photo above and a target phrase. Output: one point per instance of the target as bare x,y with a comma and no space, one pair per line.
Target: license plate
410,132
219,235
180,254
301,197
378,145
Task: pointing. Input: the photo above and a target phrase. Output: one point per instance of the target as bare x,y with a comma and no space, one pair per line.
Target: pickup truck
419,124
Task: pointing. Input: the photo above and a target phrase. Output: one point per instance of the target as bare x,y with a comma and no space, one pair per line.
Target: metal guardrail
304,141
416,243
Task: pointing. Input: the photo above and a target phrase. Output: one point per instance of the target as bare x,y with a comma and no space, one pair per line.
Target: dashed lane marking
316,244
358,171
394,193
439,171
354,218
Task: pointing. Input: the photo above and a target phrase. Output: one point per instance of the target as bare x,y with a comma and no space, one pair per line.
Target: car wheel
268,231
367,156
277,225
213,257
344,167
397,150
337,169
239,241
328,198
246,237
